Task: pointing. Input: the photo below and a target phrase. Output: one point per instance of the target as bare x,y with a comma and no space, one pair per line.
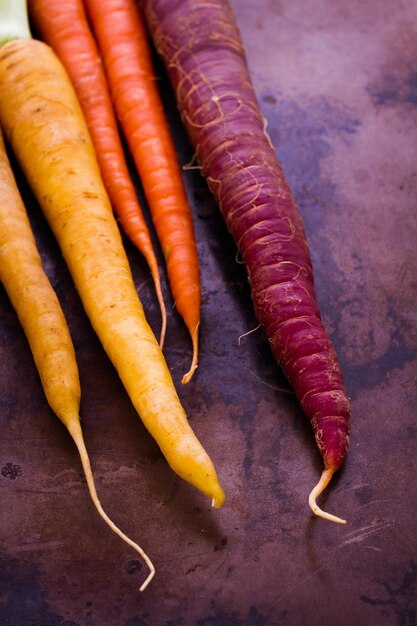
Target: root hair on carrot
74,429
265,129
325,478
274,387
194,363
248,333
238,258
192,164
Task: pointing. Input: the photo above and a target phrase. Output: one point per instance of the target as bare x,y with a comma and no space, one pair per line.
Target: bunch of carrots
116,74
60,112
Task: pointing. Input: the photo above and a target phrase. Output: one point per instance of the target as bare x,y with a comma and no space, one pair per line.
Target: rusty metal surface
337,82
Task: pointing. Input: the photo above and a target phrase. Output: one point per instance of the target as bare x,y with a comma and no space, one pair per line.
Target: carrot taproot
44,123
64,26
201,45
123,43
43,322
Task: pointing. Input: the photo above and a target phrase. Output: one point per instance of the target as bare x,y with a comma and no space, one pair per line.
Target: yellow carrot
42,319
43,121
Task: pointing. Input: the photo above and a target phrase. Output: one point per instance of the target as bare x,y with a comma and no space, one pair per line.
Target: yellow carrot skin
35,301
44,124
43,321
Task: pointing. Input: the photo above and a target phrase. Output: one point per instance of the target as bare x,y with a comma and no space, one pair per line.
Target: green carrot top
14,22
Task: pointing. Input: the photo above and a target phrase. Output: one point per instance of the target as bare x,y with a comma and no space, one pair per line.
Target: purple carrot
200,44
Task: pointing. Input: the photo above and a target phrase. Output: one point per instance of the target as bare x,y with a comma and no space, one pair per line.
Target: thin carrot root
194,363
325,478
158,290
74,428
163,310
248,333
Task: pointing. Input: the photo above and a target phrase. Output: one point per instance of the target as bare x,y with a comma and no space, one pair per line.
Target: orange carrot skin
63,25
123,43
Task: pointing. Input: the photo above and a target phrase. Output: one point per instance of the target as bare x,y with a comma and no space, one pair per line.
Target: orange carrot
125,50
64,26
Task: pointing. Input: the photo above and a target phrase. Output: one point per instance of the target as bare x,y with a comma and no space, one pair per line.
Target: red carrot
201,46
125,50
64,26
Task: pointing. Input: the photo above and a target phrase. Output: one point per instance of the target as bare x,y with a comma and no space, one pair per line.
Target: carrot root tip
325,478
218,498
194,363
188,376
74,429
148,580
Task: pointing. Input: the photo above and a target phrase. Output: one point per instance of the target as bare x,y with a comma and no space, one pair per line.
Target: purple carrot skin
204,55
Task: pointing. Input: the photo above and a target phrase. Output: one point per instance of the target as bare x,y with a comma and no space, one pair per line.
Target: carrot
124,47
63,25
44,123
42,319
201,46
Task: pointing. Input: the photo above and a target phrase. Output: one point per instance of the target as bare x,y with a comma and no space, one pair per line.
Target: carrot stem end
14,23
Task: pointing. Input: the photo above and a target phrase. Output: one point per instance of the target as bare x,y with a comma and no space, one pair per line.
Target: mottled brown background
337,82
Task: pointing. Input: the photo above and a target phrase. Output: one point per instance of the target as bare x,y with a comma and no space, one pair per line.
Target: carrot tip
74,429
318,489
158,289
187,377
164,324
148,580
218,498
194,363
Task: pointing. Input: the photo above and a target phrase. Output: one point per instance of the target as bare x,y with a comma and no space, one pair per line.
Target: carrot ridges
200,44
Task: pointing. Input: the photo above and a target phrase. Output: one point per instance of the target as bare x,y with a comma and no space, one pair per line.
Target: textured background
337,82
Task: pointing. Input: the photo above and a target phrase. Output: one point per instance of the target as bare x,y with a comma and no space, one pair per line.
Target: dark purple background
337,82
